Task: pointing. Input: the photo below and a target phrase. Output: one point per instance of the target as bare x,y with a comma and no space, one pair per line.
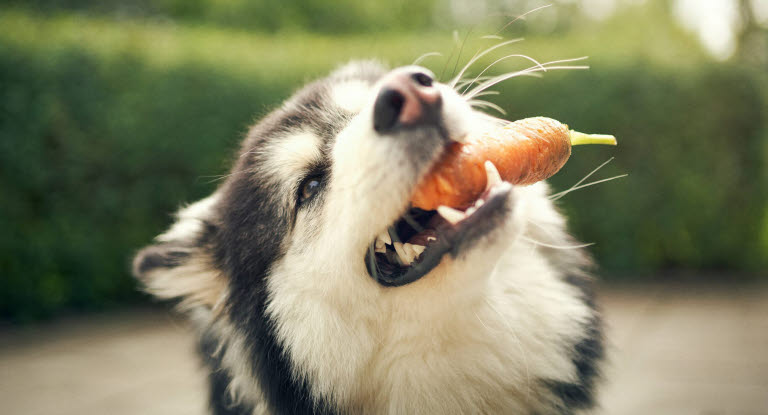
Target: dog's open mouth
416,243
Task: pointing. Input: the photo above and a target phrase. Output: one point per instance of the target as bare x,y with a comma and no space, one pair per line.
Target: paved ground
675,350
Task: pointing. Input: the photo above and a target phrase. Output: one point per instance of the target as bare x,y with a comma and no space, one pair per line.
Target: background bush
107,127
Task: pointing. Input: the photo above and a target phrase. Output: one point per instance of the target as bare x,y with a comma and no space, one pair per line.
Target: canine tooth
479,203
450,214
460,138
384,237
431,238
379,246
410,250
492,174
404,258
418,249
470,211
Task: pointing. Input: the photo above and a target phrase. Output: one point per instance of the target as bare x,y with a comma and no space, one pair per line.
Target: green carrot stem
578,138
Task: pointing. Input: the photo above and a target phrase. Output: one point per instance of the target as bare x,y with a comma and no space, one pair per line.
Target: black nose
407,98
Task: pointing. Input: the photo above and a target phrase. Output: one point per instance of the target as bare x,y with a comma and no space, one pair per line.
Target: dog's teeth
379,246
473,209
431,238
410,254
385,238
450,214
460,138
404,257
492,174
417,249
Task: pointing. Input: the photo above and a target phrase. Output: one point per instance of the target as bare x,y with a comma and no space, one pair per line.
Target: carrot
525,152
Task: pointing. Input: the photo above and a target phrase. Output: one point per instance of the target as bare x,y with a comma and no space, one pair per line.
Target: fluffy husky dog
317,289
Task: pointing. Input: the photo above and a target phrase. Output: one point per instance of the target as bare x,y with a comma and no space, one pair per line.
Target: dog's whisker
532,74
557,196
425,56
450,56
484,93
541,227
465,81
585,177
216,177
502,78
516,55
495,120
522,17
546,245
458,57
485,104
536,68
481,320
479,55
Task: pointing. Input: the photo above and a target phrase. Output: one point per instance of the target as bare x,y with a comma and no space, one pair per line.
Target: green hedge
337,16
694,145
100,143
94,157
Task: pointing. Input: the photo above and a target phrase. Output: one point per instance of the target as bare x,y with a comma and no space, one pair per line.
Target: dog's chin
436,233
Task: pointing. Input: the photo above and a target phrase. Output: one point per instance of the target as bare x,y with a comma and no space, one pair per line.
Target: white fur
189,220
482,326
290,155
195,281
351,95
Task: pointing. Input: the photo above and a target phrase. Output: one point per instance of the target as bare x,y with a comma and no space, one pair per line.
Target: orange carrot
525,152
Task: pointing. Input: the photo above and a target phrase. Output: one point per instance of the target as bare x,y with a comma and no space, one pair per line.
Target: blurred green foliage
106,127
338,16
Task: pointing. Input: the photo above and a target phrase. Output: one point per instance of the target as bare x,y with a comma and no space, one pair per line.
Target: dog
316,289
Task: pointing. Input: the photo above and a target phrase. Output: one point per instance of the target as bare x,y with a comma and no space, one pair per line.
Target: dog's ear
180,266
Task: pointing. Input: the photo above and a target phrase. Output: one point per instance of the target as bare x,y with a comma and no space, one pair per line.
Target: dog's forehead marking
289,155
351,95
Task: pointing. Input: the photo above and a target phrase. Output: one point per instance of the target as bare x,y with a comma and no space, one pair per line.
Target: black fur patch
218,381
252,232
254,221
585,285
158,256
587,356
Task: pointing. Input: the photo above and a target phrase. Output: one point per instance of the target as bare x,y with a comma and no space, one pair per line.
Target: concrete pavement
675,349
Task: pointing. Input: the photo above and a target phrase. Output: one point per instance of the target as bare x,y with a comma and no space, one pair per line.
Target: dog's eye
309,188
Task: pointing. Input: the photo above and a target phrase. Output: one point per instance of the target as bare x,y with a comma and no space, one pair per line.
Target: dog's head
321,189
311,248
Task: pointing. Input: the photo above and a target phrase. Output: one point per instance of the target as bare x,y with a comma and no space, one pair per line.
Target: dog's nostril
395,99
386,110
422,79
